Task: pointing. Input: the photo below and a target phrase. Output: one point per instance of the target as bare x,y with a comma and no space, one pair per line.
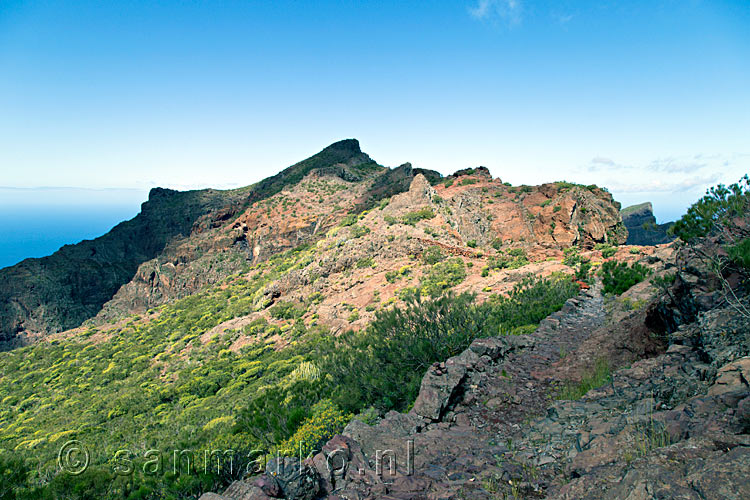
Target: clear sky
649,98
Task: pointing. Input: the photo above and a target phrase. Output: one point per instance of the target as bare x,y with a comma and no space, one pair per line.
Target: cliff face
54,293
182,242
642,226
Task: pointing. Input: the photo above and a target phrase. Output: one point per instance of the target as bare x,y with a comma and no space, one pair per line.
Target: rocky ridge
183,242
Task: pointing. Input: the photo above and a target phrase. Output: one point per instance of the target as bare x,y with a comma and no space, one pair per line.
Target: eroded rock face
58,292
642,226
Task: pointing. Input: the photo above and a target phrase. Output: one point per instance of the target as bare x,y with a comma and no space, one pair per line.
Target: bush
606,249
287,310
383,365
618,277
326,420
433,254
349,220
442,276
358,231
571,256
739,254
718,212
365,262
582,273
412,218
471,243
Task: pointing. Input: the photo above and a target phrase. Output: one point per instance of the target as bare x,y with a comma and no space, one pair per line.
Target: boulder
297,480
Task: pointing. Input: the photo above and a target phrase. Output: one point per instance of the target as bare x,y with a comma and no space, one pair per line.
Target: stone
732,376
298,480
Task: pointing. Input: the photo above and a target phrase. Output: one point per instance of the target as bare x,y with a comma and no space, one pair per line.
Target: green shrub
349,220
287,310
358,231
740,253
383,365
365,262
412,218
468,180
471,243
433,254
326,420
618,277
442,276
571,256
599,376
582,273
606,249
718,212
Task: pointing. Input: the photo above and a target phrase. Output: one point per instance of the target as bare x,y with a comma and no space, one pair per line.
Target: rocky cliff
642,226
54,293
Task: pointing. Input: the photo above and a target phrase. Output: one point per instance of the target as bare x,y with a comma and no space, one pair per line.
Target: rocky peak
478,171
344,147
642,226
420,193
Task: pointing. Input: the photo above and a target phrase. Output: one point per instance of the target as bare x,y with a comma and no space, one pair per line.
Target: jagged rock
269,485
241,490
212,496
438,386
296,480
344,470
420,193
732,377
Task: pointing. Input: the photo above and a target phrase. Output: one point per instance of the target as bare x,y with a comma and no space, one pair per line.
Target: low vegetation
597,377
619,277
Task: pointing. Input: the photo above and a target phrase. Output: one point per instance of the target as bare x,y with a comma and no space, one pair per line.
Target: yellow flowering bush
326,421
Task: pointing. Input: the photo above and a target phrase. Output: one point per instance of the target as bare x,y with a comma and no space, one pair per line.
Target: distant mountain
642,226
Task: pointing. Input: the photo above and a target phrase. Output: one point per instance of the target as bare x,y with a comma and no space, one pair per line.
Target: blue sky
649,98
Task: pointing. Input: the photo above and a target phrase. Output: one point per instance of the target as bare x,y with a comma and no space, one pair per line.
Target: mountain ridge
181,242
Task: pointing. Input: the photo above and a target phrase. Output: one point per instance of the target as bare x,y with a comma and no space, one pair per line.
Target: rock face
642,226
54,293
